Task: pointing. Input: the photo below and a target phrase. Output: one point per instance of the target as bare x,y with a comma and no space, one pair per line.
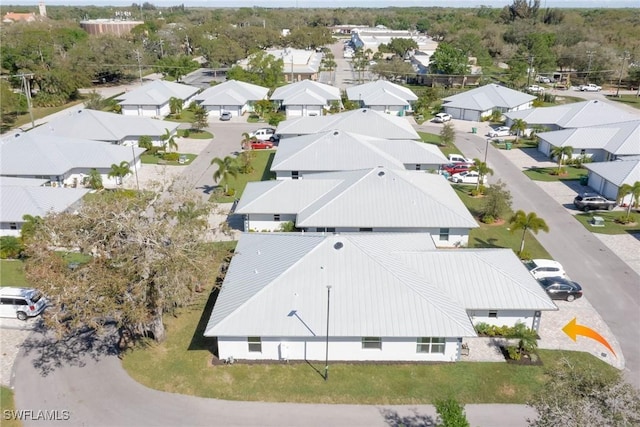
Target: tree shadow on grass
198,340
393,419
267,175
49,352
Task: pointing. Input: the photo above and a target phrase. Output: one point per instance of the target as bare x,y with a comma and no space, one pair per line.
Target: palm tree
634,190
145,142
227,168
119,171
482,169
560,153
527,338
518,126
95,179
246,140
169,141
175,106
31,223
524,221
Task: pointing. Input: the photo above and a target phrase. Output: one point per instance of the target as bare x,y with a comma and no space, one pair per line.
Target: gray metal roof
363,121
22,182
487,97
276,283
232,92
291,92
381,92
575,115
17,201
157,92
102,126
377,198
339,150
618,172
26,154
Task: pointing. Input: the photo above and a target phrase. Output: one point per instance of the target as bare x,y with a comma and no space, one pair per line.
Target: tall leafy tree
560,152
634,191
144,259
227,168
200,115
401,47
449,60
447,134
527,222
29,227
451,413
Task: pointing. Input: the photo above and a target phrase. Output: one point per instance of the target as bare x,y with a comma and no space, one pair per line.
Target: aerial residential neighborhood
286,215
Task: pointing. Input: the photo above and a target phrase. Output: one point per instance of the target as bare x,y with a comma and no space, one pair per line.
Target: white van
21,302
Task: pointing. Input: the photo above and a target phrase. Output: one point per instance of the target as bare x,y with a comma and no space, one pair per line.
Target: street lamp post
326,356
486,150
135,166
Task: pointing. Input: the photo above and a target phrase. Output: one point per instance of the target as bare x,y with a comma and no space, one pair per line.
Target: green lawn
182,365
261,172
150,159
7,404
631,100
185,116
610,224
195,134
40,112
432,138
12,273
497,235
547,174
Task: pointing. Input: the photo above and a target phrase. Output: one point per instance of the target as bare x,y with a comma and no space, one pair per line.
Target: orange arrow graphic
573,329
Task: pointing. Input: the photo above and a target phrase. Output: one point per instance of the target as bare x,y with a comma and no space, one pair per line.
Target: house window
583,152
331,230
366,229
255,344
276,217
13,226
295,174
417,167
444,234
493,314
431,345
372,343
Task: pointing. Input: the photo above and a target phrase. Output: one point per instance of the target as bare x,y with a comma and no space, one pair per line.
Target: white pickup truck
590,88
535,89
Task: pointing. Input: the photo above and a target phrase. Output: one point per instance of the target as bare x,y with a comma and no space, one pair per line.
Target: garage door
294,110
610,191
214,110
233,109
471,115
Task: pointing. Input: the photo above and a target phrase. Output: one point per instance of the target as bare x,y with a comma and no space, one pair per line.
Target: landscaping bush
230,192
10,247
187,133
488,219
514,353
171,157
524,255
626,219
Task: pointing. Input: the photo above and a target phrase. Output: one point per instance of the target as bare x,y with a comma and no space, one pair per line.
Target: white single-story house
383,96
152,99
233,96
481,102
371,200
337,150
606,178
25,196
62,161
108,127
306,98
600,143
574,115
365,297
363,121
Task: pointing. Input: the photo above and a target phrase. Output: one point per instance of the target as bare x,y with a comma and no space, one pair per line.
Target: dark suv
587,202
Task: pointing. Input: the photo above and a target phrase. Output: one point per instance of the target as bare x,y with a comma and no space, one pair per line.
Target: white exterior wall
5,229
260,222
544,147
505,317
340,349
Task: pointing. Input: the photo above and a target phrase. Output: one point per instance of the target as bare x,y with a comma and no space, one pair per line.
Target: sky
332,3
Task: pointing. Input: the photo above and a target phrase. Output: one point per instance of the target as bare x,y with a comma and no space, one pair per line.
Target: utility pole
590,55
138,57
624,58
161,49
26,88
529,70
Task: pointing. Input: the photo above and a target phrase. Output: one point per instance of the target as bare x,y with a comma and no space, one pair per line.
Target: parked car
21,302
561,288
260,145
590,88
591,202
265,134
535,89
468,177
500,131
442,117
459,158
225,116
541,268
543,79
454,168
